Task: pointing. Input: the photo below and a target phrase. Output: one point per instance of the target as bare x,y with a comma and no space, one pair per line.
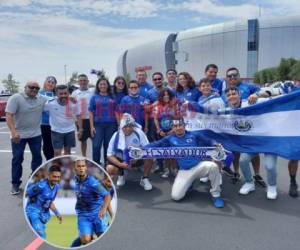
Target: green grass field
62,234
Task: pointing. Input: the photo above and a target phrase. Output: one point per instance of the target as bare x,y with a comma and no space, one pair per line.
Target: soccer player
40,200
92,203
191,169
129,135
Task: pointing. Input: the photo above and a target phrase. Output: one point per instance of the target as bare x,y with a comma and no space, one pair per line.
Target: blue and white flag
272,126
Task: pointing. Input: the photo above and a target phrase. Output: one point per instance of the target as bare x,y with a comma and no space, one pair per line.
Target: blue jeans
35,145
104,132
270,163
245,160
271,168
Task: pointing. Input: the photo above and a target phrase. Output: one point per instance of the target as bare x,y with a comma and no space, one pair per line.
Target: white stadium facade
249,45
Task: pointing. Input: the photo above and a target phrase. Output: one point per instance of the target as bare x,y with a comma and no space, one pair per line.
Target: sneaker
293,192
145,183
228,171
272,192
259,180
121,180
218,202
166,173
235,178
204,179
15,190
247,188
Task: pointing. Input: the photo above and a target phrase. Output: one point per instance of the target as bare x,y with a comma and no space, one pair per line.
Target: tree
284,68
73,78
295,71
11,85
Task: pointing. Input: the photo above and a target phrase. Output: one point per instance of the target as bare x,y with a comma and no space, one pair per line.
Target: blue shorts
38,226
90,225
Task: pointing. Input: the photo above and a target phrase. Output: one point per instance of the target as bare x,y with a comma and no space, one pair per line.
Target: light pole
65,67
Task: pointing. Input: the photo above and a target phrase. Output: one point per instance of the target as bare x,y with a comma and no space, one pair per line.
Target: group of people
156,110
92,207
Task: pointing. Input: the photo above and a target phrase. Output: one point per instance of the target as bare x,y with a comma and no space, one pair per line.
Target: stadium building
249,45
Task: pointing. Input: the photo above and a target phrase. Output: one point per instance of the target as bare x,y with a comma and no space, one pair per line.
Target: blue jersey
45,115
152,95
217,86
90,196
40,196
144,88
133,105
189,94
103,108
189,139
118,97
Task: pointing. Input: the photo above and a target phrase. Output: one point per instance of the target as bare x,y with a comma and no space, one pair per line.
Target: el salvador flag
272,126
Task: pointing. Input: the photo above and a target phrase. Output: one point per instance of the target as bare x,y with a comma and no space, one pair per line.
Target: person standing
103,118
83,96
23,118
49,92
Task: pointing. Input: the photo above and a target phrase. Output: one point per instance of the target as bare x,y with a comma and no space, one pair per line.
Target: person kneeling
129,135
191,169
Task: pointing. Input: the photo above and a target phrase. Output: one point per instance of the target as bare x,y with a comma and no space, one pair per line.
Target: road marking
4,132
35,244
26,151
3,127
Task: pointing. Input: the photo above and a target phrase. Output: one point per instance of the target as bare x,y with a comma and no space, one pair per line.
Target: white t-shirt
130,141
83,98
62,117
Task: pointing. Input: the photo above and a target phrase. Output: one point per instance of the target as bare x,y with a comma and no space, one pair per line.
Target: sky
38,38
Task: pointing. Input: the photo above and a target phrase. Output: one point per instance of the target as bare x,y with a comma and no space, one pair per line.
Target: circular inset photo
70,202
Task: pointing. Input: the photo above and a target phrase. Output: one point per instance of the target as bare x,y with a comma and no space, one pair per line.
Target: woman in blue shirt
103,117
185,89
119,89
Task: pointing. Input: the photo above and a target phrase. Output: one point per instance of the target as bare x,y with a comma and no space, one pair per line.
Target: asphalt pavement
152,221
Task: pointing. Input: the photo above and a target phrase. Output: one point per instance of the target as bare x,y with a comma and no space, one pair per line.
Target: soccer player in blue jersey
92,203
40,200
191,169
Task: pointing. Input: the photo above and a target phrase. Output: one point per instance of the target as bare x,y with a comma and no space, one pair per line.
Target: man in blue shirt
191,169
141,77
92,203
40,200
211,71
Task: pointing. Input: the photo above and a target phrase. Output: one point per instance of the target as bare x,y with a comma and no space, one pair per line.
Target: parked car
3,102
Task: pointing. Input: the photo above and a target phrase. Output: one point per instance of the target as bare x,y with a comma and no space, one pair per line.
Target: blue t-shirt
103,108
217,86
152,95
189,94
45,114
118,97
189,139
90,196
144,88
40,196
133,105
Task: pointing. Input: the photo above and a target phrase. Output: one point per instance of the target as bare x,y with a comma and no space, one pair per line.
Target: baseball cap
51,79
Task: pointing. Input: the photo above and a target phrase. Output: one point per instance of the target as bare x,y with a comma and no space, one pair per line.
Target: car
3,102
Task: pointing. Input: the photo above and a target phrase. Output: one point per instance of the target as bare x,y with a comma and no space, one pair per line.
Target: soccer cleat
236,177
259,180
204,179
228,171
293,192
15,190
145,183
121,180
218,202
247,188
166,173
272,192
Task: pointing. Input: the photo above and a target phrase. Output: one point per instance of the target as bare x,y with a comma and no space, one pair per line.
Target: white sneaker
165,173
271,192
204,179
145,183
121,180
247,188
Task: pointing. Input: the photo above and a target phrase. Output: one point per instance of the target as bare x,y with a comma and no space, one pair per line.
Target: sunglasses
121,83
156,79
34,88
233,75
